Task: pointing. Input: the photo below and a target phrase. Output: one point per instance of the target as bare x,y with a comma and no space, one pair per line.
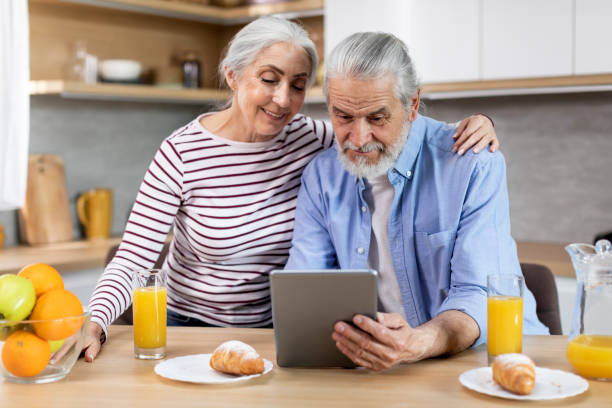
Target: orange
57,304
25,354
44,277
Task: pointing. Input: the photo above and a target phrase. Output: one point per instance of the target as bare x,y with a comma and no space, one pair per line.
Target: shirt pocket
434,253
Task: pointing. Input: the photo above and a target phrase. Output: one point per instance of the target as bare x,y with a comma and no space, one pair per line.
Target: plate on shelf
195,368
550,384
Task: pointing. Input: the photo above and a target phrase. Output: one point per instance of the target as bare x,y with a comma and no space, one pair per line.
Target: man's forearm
449,332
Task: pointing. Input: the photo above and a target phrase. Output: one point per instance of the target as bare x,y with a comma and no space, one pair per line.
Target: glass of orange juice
504,314
149,308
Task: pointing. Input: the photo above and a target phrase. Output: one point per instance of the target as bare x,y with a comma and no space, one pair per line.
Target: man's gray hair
261,34
370,55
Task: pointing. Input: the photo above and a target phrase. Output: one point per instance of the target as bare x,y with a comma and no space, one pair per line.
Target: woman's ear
230,78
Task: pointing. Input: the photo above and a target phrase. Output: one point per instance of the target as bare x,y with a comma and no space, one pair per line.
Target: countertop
64,256
79,255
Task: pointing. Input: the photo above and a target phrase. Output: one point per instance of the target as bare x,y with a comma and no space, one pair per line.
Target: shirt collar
405,163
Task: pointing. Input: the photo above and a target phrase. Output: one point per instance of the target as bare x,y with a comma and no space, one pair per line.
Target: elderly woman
228,182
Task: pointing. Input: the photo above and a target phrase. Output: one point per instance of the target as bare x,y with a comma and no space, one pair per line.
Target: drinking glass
504,314
149,308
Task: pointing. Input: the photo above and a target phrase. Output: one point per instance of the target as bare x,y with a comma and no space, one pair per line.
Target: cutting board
45,216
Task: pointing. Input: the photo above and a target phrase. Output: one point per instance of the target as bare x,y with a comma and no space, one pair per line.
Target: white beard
388,155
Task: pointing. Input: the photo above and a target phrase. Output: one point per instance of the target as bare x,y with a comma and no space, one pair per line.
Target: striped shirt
231,205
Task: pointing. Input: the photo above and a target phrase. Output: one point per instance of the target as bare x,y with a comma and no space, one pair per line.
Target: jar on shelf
81,66
76,65
192,71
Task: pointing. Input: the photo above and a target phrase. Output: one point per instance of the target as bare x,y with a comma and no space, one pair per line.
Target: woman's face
271,90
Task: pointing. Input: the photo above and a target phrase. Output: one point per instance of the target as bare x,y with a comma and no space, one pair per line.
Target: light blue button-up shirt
449,225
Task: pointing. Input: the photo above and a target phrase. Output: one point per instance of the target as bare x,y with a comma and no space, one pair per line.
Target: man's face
370,123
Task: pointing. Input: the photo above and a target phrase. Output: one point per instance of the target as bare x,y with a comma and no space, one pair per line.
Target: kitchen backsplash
557,149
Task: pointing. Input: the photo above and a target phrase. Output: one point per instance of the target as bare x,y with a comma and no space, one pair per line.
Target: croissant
514,372
236,357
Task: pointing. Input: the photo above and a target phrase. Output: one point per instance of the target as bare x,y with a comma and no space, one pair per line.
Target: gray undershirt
379,195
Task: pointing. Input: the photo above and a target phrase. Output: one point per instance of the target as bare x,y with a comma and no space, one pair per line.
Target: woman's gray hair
261,34
370,55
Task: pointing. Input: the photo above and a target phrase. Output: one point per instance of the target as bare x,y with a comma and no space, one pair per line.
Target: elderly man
393,197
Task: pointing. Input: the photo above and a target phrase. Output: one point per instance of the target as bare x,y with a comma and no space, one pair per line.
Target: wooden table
117,379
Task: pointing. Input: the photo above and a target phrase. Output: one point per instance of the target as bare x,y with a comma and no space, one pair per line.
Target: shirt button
408,173
363,209
360,250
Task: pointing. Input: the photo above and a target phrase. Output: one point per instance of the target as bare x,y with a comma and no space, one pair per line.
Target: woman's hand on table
92,344
476,131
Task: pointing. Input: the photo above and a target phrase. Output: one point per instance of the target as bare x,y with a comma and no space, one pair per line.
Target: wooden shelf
519,86
212,14
120,92
140,93
147,93
64,256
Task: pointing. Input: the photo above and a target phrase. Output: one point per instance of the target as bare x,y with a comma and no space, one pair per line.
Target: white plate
550,384
195,368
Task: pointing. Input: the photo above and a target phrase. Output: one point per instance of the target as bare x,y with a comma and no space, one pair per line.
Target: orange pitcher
94,208
590,346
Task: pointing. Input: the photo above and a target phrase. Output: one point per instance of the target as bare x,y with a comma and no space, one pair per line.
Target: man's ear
415,102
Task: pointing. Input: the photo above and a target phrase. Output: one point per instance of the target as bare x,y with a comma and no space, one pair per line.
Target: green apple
56,344
17,297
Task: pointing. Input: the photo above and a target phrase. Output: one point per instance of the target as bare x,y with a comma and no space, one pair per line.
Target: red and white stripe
232,205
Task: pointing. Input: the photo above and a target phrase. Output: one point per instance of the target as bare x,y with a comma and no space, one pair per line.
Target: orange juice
149,317
505,324
591,355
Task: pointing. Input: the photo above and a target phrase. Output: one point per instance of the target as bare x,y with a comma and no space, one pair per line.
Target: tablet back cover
307,304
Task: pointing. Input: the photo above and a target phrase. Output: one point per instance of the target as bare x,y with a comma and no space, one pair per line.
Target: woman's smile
274,116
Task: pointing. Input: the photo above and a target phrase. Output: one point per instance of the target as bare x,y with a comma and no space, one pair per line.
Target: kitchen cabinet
593,36
466,48
153,32
443,38
429,28
345,17
526,38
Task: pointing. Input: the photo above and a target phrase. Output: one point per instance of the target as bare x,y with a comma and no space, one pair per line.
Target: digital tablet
305,306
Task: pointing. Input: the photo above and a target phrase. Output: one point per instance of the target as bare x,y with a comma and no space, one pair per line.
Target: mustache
366,148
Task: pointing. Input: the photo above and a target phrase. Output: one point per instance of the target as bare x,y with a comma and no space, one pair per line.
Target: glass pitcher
590,346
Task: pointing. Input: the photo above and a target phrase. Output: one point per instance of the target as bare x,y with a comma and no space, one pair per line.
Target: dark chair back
126,317
541,282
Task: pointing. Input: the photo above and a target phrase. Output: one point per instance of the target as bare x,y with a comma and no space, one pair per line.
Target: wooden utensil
45,216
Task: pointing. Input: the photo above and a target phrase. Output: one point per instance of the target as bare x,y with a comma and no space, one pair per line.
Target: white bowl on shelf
120,70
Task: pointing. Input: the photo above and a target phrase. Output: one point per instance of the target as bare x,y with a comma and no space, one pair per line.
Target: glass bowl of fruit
42,326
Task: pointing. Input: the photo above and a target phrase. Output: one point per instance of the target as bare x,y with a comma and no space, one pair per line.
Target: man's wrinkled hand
379,345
